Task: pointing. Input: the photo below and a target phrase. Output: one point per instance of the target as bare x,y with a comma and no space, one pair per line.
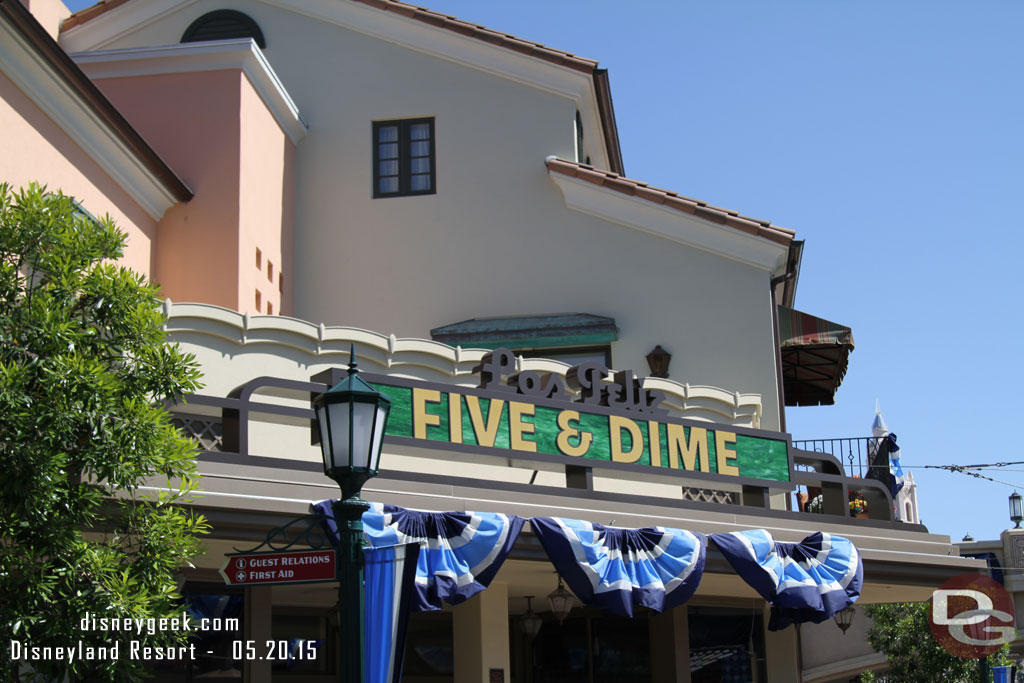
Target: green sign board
512,425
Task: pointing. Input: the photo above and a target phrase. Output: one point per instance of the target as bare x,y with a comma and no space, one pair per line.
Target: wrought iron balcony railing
855,453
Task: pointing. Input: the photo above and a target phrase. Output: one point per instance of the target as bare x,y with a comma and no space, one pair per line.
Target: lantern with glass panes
352,417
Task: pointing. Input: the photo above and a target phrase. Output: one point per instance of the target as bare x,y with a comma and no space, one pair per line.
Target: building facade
304,177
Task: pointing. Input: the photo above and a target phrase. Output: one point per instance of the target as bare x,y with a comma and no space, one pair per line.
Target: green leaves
901,632
85,444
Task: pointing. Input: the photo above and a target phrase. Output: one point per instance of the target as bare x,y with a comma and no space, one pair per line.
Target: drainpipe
792,261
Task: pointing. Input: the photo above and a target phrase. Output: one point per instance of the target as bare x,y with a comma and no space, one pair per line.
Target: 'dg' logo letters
972,616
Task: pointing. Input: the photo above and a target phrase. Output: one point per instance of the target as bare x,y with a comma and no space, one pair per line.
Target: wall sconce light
658,360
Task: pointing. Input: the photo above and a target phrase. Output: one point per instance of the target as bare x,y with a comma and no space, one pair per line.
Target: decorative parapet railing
233,419
855,452
828,489
418,358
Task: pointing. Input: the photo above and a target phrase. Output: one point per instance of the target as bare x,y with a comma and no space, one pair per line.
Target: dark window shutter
223,24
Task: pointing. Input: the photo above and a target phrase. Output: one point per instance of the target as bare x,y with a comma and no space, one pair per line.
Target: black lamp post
352,417
1016,509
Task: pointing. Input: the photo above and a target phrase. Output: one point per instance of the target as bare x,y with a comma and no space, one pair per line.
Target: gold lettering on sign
517,427
654,438
689,452
617,424
568,431
421,419
724,454
455,418
485,433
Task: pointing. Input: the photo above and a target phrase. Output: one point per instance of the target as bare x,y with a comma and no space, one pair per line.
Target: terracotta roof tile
482,32
506,40
613,181
423,14
84,15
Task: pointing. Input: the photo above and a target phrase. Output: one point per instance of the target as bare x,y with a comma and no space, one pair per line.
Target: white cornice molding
104,30
242,53
671,224
58,100
389,354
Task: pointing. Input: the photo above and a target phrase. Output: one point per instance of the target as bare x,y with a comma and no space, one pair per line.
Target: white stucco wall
497,238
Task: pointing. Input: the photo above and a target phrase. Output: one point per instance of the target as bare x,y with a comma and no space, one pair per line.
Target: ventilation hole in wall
259,301
259,259
280,282
270,308
270,270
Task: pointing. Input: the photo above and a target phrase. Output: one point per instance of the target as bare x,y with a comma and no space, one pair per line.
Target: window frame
404,157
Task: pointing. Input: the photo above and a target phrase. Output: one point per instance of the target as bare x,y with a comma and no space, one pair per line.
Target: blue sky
888,135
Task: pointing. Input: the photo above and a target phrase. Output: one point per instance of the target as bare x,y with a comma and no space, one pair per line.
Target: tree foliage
91,465
901,632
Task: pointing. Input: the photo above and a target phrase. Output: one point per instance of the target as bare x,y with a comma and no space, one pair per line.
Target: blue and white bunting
806,581
614,569
390,579
460,552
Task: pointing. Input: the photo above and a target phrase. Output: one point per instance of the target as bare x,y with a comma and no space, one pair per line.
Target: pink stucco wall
49,14
34,148
265,204
191,120
213,129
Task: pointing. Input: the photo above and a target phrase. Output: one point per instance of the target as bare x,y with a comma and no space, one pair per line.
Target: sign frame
229,558
644,472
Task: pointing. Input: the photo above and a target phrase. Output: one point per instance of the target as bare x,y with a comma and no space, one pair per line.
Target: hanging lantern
530,621
561,601
844,618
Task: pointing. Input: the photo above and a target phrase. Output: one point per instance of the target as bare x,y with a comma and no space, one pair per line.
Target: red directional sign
304,566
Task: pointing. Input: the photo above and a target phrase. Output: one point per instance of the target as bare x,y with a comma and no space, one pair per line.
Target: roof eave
80,85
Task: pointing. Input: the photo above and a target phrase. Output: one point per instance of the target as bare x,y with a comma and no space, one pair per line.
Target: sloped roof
57,61
642,190
602,89
423,14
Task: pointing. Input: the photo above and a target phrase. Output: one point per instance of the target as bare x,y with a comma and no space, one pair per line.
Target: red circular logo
971,616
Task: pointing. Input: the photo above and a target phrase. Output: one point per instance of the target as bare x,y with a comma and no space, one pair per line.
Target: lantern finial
353,366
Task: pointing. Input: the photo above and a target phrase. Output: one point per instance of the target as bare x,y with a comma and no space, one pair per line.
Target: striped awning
815,353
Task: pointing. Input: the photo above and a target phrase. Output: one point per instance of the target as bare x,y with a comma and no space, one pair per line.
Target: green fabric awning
815,353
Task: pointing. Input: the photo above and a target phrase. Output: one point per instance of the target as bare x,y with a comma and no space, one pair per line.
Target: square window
403,158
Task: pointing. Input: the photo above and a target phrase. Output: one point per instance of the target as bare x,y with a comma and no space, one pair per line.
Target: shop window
585,648
726,644
224,24
403,158
301,641
429,648
217,613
